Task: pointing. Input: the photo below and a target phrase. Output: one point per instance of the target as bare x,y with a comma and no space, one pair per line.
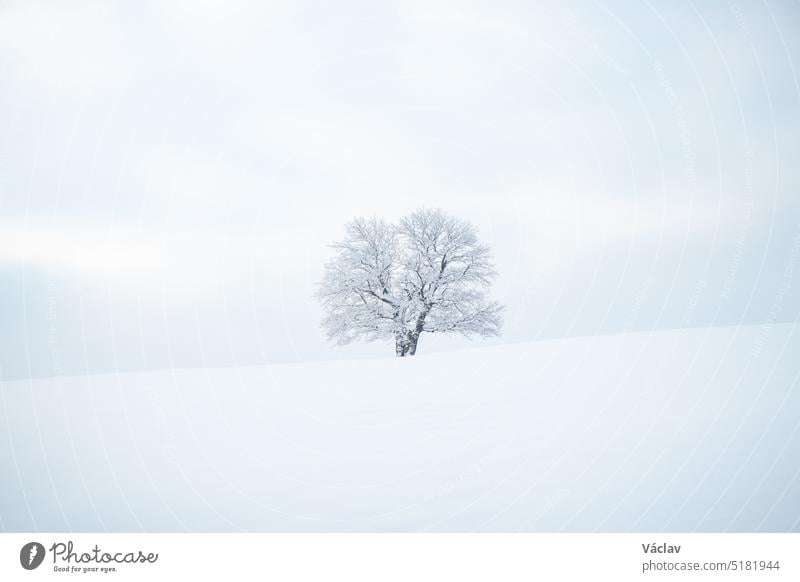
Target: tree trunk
402,345
412,345
413,335
405,344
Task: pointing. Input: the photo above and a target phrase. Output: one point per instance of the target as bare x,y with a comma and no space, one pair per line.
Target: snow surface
660,431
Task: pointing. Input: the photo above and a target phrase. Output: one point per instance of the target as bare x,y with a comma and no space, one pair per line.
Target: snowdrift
687,430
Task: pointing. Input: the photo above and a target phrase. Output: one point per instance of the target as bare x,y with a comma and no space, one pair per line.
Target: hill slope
676,431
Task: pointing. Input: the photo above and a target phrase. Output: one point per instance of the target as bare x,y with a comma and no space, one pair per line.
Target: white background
403,557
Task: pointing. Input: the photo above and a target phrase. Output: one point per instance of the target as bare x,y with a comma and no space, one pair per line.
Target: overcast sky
172,172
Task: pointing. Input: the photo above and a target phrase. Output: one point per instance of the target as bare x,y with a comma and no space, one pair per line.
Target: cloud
462,55
146,259
109,252
64,50
558,226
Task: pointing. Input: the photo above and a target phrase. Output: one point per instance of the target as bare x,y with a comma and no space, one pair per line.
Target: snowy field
693,430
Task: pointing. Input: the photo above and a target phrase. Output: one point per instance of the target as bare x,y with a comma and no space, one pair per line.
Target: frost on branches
428,274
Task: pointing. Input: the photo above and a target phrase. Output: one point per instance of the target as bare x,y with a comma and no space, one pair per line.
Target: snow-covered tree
428,274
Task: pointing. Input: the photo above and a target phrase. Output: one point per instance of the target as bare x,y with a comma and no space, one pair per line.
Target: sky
172,173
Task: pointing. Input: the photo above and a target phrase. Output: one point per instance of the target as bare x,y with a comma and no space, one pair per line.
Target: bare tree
428,274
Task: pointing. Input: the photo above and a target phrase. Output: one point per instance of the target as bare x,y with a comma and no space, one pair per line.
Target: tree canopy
426,274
